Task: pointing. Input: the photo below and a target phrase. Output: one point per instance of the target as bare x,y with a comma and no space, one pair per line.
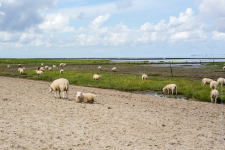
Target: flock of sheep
62,85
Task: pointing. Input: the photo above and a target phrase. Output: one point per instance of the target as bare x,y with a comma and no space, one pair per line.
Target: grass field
126,78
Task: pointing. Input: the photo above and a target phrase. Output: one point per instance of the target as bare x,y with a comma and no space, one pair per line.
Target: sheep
42,69
19,65
49,68
144,77
24,68
46,67
206,81
60,85
171,87
213,85
8,66
62,64
221,81
39,72
99,68
114,69
85,97
42,64
224,68
61,71
21,70
54,66
96,77
214,95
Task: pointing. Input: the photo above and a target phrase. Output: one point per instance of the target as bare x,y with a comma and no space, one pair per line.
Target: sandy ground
30,118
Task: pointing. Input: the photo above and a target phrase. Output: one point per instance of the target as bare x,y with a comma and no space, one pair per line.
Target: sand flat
30,118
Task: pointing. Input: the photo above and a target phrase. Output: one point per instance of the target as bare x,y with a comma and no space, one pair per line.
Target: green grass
111,80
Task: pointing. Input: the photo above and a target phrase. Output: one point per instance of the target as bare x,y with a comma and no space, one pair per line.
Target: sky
111,28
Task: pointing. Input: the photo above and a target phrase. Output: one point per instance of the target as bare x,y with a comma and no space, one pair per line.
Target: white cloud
124,4
218,36
99,21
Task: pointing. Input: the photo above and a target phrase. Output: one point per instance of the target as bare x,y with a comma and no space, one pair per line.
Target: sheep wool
171,87
99,68
60,85
85,97
114,69
49,68
39,72
213,85
221,81
214,95
96,77
61,71
144,77
206,81
8,66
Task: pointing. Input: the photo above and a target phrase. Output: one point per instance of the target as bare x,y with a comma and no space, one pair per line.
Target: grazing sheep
99,68
214,95
54,66
221,81
85,97
24,68
61,71
224,68
21,70
96,77
46,67
49,68
114,69
144,77
19,65
42,64
206,81
8,66
39,72
38,67
171,87
42,69
62,64
213,85
60,85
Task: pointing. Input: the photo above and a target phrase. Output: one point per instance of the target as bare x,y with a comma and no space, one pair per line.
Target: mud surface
30,118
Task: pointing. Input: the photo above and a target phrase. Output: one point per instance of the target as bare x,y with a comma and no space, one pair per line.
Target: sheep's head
78,94
164,89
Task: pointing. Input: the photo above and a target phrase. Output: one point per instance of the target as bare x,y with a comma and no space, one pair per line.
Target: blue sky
111,28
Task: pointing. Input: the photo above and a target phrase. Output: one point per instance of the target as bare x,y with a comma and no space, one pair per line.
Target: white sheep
61,71
19,65
99,68
96,77
221,81
62,64
21,70
224,68
54,66
42,64
171,87
214,95
85,97
213,85
42,69
60,85
39,72
206,81
114,69
49,68
46,67
144,77
8,66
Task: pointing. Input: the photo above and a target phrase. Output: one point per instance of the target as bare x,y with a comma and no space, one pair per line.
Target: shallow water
165,96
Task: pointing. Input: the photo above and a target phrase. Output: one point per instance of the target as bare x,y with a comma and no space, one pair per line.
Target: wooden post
171,70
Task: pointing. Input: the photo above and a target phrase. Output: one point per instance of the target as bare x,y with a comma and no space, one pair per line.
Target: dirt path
30,118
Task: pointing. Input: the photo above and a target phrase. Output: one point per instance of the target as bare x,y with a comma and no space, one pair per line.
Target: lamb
99,68
54,66
221,81
61,71
39,72
224,68
21,70
8,66
19,65
214,95
42,64
114,69
62,64
206,81
171,87
144,77
213,85
85,97
96,77
46,67
49,68
60,85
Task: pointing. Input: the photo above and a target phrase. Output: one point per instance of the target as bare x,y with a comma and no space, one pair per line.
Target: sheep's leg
168,91
55,94
59,94
172,91
63,94
211,99
215,100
